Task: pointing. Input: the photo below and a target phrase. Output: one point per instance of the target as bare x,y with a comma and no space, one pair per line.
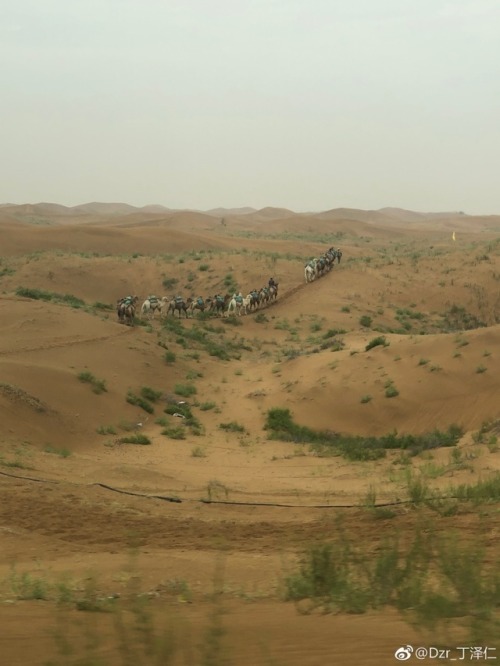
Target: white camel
236,305
153,304
310,270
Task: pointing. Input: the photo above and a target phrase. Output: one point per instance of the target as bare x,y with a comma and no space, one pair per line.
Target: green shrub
280,425
106,430
150,394
185,390
168,283
391,391
232,426
135,439
205,406
376,342
134,399
174,432
169,357
98,385
39,294
102,306
365,321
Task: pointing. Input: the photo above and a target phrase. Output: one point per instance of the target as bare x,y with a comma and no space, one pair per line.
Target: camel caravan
319,266
218,305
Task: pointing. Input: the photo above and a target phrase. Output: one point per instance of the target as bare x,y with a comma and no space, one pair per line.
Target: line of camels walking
319,266
219,305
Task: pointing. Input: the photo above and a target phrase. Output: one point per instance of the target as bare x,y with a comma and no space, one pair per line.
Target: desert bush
281,426
174,432
434,580
332,332
39,294
376,342
365,321
205,406
185,390
232,426
487,490
98,385
102,306
169,282
169,357
391,391
150,394
458,319
135,439
134,399
106,430
62,453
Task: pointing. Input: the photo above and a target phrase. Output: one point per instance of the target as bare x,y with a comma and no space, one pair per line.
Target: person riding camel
271,283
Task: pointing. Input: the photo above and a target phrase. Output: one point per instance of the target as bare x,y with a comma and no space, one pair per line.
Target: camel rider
271,283
199,300
178,299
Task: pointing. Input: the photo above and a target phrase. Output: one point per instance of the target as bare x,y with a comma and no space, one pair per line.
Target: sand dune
432,303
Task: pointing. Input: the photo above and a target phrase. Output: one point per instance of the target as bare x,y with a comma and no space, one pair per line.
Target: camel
253,300
264,295
219,304
236,305
310,271
198,304
179,304
126,309
153,304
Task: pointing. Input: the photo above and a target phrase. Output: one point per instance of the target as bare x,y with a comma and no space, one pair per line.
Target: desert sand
226,508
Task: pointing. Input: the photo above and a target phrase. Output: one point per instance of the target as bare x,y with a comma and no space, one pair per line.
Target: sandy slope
402,270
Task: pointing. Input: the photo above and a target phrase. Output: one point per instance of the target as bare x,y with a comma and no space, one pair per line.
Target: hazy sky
305,104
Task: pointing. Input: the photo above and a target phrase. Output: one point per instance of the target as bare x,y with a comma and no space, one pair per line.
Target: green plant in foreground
434,580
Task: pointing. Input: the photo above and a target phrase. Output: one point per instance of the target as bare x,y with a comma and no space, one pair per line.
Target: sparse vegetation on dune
325,354
280,425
